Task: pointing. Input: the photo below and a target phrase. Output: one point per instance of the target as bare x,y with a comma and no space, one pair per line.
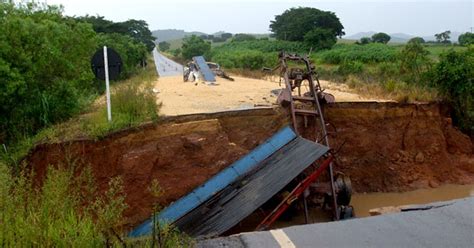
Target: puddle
364,202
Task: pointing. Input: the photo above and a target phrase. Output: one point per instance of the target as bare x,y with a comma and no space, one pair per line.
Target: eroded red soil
387,147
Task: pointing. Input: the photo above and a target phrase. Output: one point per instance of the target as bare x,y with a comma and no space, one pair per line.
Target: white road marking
282,239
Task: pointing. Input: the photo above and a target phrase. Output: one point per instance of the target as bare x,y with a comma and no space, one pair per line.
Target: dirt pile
388,147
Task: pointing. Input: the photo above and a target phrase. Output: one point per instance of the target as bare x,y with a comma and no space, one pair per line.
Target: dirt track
180,98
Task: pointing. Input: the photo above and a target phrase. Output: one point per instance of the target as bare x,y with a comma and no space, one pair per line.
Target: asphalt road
166,67
448,224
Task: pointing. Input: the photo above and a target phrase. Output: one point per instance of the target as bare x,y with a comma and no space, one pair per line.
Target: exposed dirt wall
398,147
180,152
387,147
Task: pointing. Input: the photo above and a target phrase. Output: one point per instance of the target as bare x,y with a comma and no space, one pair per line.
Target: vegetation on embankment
47,78
45,65
48,93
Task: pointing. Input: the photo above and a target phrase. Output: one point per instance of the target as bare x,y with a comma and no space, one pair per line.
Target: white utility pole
107,90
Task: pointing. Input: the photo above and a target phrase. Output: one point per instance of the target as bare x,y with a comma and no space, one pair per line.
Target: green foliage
381,38
414,61
364,41
350,67
164,46
44,67
246,59
417,39
131,51
132,104
320,39
294,23
136,29
226,36
454,77
443,37
263,46
243,37
466,39
194,46
176,52
371,53
54,215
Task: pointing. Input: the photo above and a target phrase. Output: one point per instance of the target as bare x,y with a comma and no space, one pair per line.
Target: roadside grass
54,215
66,209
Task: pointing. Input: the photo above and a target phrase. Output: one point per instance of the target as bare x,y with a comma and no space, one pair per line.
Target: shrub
350,67
45,74
414,61
132,104
454,77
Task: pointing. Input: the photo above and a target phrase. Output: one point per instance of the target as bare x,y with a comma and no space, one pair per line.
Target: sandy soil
180,98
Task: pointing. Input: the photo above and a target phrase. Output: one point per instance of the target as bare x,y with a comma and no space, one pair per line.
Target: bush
414,61
44,68
350,67
132,104
454,77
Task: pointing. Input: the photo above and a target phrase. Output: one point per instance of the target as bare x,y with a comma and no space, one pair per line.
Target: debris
207,70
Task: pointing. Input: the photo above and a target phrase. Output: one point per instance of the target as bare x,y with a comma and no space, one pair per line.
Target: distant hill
400,37
172,34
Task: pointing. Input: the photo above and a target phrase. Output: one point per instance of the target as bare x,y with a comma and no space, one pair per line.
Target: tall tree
443,37
381,38
164,46
194,46
466,39
137,29
295,23
417,39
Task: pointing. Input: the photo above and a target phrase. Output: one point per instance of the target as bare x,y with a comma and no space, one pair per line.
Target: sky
420,18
